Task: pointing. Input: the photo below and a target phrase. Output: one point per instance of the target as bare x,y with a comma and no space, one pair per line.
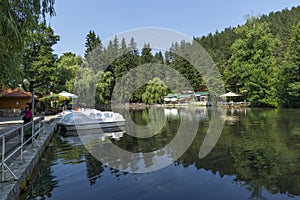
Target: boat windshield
108,115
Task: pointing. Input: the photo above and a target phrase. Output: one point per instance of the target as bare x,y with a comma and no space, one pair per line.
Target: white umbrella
68,94
174,99
230,94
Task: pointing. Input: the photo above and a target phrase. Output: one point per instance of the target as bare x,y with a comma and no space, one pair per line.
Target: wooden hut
12,102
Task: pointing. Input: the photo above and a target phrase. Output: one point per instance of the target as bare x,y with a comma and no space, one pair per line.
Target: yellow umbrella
54,97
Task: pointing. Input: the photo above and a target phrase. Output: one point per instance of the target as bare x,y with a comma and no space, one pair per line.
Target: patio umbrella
68,94
230,94
174,99
54,97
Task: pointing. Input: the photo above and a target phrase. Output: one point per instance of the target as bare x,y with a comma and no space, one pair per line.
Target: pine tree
92,42
146,55
179,55
142,73
158,58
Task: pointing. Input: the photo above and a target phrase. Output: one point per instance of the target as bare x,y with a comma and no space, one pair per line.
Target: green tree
158,58
92,42
67,67
100,61
252,66
146,54
17,19
280,23
86,84
39,60
178,54
122,62
125,72
145,60
155,91
290,74
104,86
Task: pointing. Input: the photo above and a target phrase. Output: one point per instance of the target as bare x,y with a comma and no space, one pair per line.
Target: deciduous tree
252,67
17,19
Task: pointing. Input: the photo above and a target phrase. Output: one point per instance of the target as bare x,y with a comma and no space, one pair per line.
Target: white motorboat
92,119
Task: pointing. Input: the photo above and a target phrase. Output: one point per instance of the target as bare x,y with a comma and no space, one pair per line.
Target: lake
178,153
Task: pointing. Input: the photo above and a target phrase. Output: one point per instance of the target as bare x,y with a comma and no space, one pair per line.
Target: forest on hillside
260,60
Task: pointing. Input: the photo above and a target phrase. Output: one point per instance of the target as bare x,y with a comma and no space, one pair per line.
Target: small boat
92,119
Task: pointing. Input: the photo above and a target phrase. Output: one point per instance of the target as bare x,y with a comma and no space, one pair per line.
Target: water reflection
153,155
259,150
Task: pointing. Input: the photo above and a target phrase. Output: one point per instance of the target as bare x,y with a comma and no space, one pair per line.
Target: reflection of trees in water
94,168
140,117
256,165
157,141
258,151
256,191
43,180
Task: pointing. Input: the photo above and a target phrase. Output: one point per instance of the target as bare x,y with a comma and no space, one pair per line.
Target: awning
171,96
198,94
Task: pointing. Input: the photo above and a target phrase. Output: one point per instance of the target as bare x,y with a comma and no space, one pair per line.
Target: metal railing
14,141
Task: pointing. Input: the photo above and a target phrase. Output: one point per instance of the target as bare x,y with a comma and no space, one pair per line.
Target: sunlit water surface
257,156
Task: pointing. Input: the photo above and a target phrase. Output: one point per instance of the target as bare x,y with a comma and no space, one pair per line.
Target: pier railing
14,141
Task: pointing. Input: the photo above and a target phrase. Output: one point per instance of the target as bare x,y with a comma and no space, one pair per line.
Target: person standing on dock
28,115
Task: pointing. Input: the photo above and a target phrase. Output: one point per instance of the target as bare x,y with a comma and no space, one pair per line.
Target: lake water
178,154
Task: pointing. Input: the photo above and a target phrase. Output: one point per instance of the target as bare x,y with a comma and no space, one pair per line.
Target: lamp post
32,98
32,107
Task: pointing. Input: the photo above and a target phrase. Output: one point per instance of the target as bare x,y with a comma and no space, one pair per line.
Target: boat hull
106,126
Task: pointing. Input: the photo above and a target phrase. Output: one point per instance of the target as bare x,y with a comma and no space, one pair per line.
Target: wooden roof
16,93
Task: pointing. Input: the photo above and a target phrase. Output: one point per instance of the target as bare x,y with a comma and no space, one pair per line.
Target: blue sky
74,19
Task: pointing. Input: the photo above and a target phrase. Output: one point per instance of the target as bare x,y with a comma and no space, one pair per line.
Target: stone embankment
23,168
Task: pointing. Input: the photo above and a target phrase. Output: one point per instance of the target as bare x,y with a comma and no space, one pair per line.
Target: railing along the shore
13,142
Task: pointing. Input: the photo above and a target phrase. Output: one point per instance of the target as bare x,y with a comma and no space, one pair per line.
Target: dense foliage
259,60
18,19
39,61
